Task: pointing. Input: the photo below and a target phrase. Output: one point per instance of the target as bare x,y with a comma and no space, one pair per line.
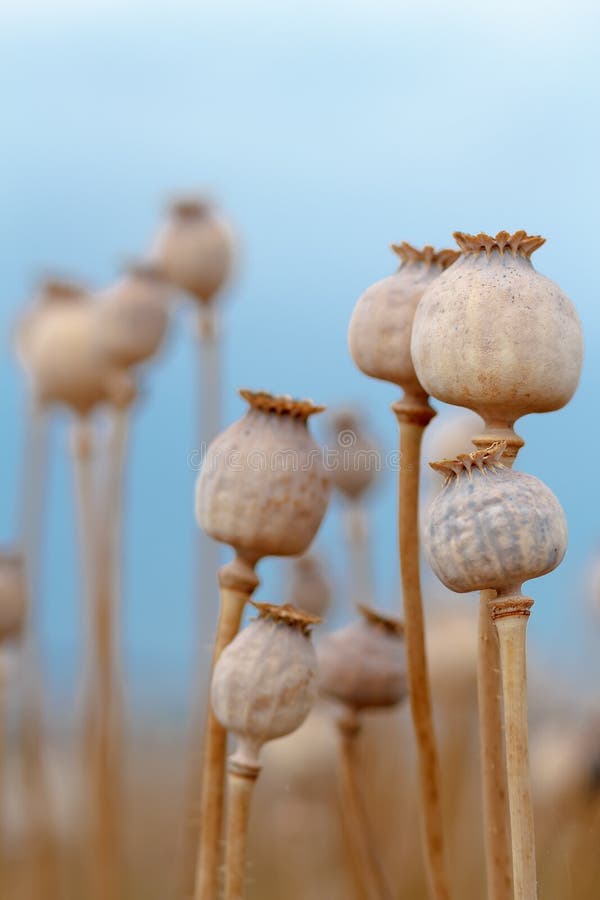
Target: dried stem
237,583
497,842
413,416
357,536
511,626
371,879
209,377
44,856
95,726
209,395
105,711
208,554
240,782
493,766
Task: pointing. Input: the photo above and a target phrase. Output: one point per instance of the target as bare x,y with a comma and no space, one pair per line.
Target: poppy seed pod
13,596
309,588
63,356
494,335
492,527
263,488
265,681
355,462
195,248
363,665
132,315
381,324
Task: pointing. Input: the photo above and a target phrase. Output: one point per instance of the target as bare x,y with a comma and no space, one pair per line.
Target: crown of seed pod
492,527
381,324
309,588
195,248
265,681
363,665
356,458
13,596
451,434
263,488
494,335
63,355
132,315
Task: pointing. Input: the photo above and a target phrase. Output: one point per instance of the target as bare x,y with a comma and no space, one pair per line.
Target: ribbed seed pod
492,527
265,681
363,665
195,248
263,488
494,335
380,328
133,315
263,687
309,588
13,596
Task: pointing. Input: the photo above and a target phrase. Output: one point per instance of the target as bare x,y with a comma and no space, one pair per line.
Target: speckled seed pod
354,459
381,324
492,527
133,315
309,588
263,488
494,335
63,357
195,248
13,596
363,665
265,681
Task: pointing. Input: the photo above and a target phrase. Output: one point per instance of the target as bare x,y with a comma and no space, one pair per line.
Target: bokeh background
325,130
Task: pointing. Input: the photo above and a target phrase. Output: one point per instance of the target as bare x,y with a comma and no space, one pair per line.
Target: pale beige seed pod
492,527
63,356
132,315
309,588
265,681
13,596
363,665
494,335
381,324
195,248
353,461
263,488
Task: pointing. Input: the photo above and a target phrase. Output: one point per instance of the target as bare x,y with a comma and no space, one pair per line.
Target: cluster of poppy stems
476,327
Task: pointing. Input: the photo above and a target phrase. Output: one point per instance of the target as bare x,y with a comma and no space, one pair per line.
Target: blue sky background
326,130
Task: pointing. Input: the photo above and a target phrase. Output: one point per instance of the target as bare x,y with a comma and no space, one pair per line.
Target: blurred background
324,131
